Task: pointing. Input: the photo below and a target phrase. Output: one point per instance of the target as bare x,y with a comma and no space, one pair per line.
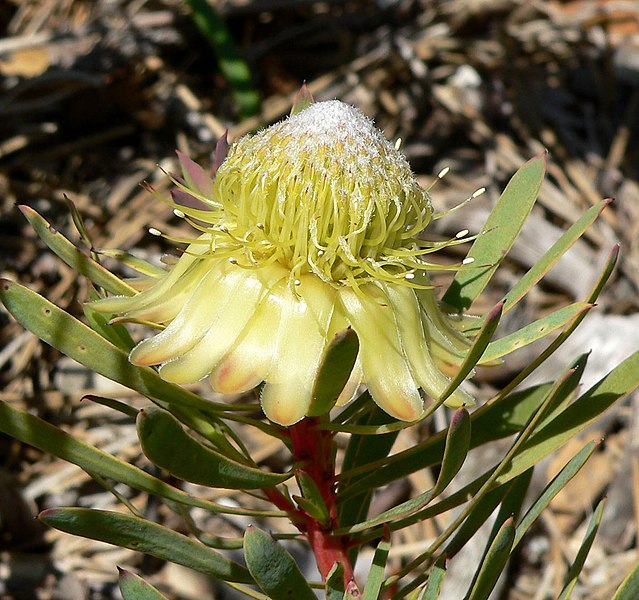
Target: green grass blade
580,559
553,488
375,577
231,63
534,331
493,563
133,587
73,257
144,536
40,434
273,568
501,229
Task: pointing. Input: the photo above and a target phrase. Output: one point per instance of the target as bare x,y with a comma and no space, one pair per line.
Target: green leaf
533,331
71,337
273,568
312,500
563,336
133,262
455,451
375,577
435,580
121,407
479,514
495,420
629,588
501,230
362,450
169,446
493,563
510,495
575,418
144,536
40,434
133,587
334,372
234,68
580,559
553,488
549,259
71,255
476,351
116,333
335,583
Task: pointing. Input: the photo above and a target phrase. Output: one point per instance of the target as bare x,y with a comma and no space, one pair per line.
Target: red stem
313,453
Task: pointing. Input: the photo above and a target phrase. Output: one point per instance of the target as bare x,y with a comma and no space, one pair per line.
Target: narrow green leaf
435,580
476,351
549,259
580,559
71,255
116,333
563,336
121,407
129,260
144,536
533,331
273,568
312,500
335,369
169,446
362,450
478,515
233,66
375,577
552,489
40,434
65,333
495,420
335,583
493,563
629,588
501,229
133,587
455,451
575,418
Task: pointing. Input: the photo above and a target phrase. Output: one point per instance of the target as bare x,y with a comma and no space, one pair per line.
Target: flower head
307,227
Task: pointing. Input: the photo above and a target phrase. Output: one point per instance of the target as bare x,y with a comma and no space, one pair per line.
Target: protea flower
306,228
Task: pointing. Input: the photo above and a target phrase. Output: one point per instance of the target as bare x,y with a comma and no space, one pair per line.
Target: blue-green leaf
168,445
144,536
133,587
273,568
500,231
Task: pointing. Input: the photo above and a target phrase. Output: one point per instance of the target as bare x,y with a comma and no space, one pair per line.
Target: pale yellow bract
307,228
